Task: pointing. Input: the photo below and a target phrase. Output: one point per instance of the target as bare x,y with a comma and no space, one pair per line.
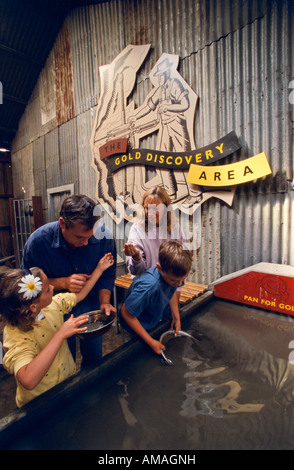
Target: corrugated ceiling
28,29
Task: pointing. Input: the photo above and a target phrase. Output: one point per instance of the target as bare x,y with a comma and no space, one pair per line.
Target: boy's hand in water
156,346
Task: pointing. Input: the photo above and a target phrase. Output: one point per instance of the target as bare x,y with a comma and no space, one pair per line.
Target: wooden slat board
189,291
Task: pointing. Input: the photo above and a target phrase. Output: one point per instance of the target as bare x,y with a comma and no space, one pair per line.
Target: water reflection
233,389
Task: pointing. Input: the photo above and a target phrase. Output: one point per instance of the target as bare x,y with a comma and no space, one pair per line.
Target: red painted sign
259,289
113,147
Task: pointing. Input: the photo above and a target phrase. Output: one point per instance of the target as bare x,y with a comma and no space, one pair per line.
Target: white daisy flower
30,286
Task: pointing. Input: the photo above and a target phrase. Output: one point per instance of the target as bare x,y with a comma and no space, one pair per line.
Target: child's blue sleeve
138,300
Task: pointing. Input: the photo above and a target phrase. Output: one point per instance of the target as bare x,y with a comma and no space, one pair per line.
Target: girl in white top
156,225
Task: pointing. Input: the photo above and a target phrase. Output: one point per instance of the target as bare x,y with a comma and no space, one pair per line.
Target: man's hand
108,308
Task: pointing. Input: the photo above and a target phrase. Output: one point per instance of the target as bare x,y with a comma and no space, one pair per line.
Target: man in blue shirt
151,294
68,251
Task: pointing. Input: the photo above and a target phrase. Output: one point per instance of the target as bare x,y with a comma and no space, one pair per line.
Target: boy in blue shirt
151,294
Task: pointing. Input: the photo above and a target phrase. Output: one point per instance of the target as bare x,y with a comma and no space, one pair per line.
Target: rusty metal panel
47,91
39,169
68,157
23,181
65,106
82,59
230,55
51,152
87,179
95,39
237,56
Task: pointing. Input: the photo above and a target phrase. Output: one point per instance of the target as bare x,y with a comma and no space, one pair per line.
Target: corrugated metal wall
237,56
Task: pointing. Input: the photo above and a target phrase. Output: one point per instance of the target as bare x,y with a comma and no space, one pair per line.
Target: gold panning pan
98,324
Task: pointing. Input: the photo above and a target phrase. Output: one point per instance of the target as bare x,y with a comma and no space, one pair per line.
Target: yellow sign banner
229,175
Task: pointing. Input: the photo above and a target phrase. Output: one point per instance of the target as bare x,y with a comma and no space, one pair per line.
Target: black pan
98,324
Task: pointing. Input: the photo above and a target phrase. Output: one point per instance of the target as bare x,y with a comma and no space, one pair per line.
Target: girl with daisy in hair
35,333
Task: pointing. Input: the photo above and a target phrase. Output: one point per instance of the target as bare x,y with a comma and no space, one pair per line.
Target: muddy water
233,389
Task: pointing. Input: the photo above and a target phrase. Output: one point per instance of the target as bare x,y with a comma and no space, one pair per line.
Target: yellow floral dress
21,347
